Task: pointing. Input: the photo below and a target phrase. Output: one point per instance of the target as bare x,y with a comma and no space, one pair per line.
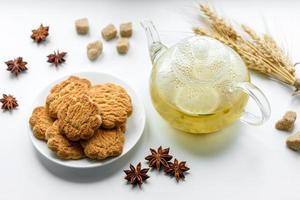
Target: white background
240,162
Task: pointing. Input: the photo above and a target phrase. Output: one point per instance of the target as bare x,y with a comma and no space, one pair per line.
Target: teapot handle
262,102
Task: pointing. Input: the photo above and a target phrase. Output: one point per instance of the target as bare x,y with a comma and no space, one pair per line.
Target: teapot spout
156,48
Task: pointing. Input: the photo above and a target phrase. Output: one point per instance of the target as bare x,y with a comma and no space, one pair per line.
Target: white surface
241,162
134,127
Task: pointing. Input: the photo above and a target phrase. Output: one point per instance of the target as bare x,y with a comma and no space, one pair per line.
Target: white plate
135,123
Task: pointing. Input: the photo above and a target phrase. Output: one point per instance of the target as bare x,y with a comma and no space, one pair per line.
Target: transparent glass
200,85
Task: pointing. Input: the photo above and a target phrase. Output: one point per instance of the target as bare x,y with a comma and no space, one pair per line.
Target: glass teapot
200,85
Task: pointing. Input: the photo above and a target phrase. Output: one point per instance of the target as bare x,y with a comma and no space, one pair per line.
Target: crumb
82,26
293,142
109,32
287,122
122,45
94,49
126,29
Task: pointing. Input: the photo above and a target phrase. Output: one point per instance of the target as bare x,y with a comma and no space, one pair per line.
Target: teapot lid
202,60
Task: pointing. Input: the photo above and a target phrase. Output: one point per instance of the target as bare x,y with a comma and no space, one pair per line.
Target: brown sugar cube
126,29
82,26
94,49
287,122
293,142
109,32
122,45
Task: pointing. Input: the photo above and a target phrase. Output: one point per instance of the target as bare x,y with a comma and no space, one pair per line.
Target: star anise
56,58
177,169
8,102
136,176
16,66
39,35
159,158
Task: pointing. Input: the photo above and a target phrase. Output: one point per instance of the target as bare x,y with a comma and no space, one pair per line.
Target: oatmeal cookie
40,122
105,143
114,103
72,86
61,146
79,118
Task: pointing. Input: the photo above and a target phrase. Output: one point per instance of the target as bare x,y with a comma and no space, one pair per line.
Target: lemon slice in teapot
197,101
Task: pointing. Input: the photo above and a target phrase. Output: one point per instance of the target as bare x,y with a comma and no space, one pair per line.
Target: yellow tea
199,123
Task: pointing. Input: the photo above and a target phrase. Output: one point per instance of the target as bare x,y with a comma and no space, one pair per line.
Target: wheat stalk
260,53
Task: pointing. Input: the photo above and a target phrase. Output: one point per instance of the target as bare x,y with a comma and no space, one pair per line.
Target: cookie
79,118
72,86
114,103
61,146
105,143
123,127
40,122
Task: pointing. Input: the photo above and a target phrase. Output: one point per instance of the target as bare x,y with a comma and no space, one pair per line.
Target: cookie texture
79,118
114,104
72,86
61,146
105,143
40,122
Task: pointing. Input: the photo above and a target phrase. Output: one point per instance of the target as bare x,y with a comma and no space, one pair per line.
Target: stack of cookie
83,120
